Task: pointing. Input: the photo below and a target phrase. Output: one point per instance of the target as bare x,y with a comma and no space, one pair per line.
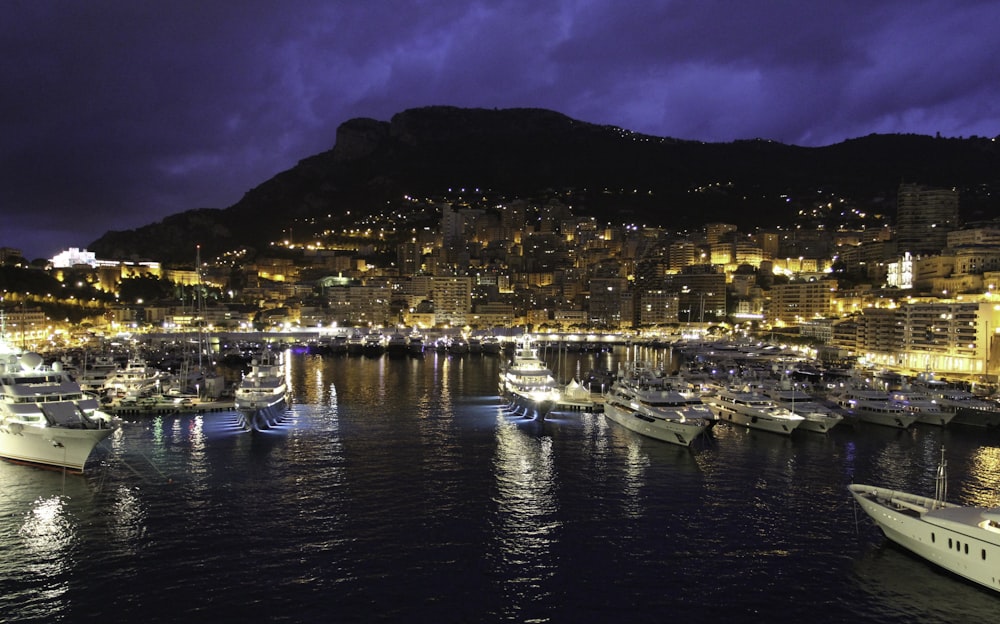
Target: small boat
964,540
45,417
262,394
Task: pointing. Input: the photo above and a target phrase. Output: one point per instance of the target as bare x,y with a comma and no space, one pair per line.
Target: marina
389,479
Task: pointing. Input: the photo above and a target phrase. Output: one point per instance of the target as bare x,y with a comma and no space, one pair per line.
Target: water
399,490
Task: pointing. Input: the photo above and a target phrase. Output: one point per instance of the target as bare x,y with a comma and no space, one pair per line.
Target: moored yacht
355,343
873,406
968,409
396,344
926,409
642,402
262,394
95,371
137,378
491,345
816,416
752,410
415,343
527,383
964,540
45,418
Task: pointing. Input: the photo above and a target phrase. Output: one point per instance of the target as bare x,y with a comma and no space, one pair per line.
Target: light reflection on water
525,525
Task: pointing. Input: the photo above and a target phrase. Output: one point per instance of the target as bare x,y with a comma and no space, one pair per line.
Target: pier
162,409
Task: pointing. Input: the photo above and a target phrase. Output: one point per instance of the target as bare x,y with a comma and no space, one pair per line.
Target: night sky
115,114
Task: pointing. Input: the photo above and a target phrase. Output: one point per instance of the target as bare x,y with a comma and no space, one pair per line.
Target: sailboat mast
941,481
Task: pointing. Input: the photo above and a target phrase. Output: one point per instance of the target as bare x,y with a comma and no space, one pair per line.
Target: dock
162,409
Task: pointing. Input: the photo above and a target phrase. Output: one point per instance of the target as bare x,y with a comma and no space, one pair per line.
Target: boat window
984,554
966,549
949,542
932,538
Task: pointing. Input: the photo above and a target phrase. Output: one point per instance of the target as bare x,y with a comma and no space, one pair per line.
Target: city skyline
128,114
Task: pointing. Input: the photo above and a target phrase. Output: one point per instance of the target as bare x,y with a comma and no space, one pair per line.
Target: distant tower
924,216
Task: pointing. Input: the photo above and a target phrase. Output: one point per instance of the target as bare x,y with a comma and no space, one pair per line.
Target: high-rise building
924,217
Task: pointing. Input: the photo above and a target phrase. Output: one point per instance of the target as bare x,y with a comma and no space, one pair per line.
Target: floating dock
161,409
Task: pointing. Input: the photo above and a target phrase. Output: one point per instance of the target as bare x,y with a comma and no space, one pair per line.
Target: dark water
400,491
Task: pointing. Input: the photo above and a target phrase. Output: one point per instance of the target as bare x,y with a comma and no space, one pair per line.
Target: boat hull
976,417
262,416
753,421
897,421
529,405
819,424
961,548
55,447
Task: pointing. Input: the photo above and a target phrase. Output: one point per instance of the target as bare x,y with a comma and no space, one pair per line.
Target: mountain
614,174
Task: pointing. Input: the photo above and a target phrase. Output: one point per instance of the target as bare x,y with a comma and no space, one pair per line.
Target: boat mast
941,481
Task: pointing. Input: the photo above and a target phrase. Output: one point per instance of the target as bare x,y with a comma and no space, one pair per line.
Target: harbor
389,472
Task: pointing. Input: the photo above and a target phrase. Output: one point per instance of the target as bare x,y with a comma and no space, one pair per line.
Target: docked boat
873,406
374,344
415,344
94,373
458,345
396,345
752,410
45,417
817,417
964,540
641,401
262,394
527,383
338,346
137,378
491,345
475,345
355,343
969,409
926,409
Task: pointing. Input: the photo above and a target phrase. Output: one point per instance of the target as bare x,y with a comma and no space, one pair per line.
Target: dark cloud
119,113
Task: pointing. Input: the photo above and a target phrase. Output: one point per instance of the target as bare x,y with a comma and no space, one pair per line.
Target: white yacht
641,401
95,371
45,418
967,408
926,409
873,406
137,378
527,383
816,416
262,394
964,540
752,410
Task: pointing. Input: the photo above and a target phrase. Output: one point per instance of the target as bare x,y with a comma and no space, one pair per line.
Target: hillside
523,152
